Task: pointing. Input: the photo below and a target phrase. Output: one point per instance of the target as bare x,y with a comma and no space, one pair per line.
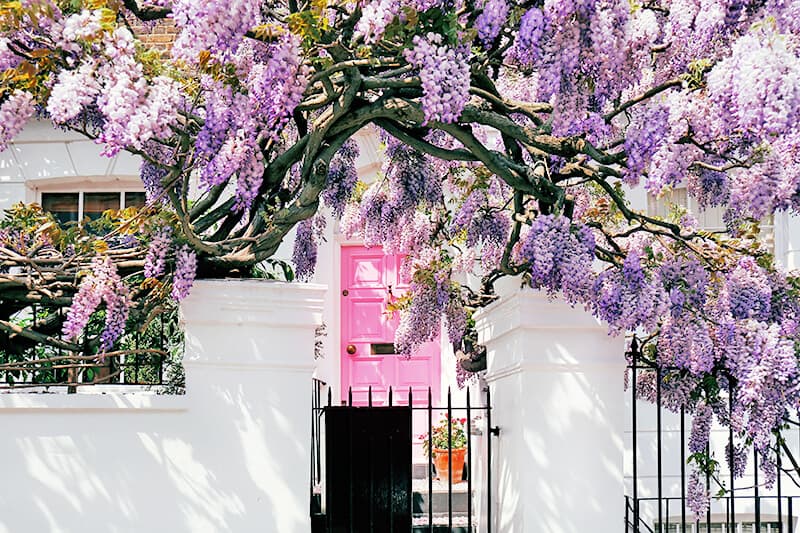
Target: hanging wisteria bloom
102,285
444,71
185,272
155,262
14,113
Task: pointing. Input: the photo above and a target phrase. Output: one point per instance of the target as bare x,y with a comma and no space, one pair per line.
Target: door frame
340,244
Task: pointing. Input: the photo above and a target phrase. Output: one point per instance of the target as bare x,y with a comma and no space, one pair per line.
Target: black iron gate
658,498
364,478
369,464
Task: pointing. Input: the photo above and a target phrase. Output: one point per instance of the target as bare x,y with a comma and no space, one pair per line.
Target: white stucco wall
556,382
232,455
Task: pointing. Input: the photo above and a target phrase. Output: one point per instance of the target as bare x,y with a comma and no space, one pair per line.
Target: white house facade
233,453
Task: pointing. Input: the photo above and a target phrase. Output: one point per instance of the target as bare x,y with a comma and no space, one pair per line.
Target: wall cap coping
531,310
257,301
94,401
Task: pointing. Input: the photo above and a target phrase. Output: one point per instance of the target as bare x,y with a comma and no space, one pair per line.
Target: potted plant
448,450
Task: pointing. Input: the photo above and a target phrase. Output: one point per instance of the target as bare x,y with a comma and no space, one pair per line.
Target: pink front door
367,351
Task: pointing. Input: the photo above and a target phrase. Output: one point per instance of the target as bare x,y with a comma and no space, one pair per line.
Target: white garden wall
230,455
556,382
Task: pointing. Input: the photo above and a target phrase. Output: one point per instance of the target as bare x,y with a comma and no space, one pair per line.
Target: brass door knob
351,349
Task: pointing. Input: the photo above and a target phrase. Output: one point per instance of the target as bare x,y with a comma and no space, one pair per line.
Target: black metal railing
736,505
33,353
318,388
428,516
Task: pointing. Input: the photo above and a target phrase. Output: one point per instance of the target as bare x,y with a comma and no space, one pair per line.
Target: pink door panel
367,328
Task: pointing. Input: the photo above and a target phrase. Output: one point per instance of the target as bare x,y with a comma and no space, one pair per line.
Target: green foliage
442,436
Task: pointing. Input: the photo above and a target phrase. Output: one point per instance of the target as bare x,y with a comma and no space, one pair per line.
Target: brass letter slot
382,349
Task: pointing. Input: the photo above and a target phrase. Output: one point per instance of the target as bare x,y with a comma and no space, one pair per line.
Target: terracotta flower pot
440,459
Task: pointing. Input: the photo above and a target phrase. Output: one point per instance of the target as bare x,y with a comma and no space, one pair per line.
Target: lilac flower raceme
73,91
701,428
697,497
155,262
749,290
276,87
185,272
491,20
375,16
342,178
527,49
209,25
152,175
14,113
304,256
559,259
642,139
421,321
102,285
456,320
445,75
757,88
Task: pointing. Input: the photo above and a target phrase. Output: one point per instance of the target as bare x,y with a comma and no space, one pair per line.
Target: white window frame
81,186
81,194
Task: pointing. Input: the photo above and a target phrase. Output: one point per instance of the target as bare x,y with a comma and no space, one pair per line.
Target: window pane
94,203
63,206
134,199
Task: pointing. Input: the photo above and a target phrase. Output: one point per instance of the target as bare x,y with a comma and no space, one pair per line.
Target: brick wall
159,34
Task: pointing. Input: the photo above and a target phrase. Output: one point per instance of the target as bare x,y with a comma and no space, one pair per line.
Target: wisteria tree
512,130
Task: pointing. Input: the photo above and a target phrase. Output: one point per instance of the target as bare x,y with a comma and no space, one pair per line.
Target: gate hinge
495,431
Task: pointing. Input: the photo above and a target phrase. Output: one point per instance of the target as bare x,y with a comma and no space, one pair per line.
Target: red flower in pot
449,444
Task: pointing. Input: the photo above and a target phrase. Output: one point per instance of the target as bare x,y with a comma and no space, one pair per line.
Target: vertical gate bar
488,460
666,525
430,461
350,455
756,491
780,492
390,396
728,515
313,445
449,461
790,518
369,396
659,481
371,484
391,484
330,396
469,464
683,468
634,443
731,455
411,402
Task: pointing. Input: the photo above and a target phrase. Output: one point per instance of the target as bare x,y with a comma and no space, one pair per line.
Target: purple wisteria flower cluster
445,74
101,285
342,178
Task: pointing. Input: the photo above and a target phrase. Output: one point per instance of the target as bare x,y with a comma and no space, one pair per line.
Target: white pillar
787,240
556,382
249,362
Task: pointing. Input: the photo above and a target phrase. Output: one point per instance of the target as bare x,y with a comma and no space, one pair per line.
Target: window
75,206
709,219
63,206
